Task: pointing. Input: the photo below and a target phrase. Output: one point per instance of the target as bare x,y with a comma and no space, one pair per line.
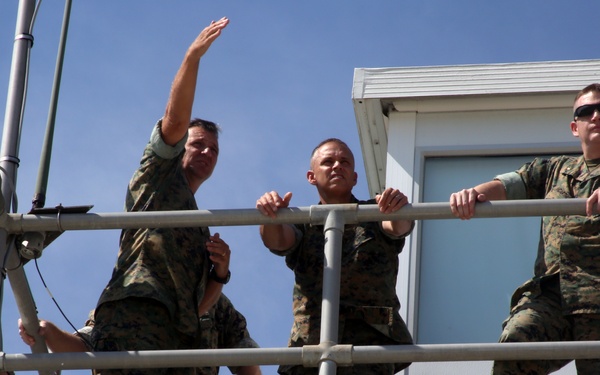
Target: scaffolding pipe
15,101
39,198
352,213
27,307
151,359
23,298
334,217
477,352
330,307
294,356
9,162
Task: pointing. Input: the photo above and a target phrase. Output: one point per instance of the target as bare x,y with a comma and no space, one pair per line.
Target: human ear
574,129
310,176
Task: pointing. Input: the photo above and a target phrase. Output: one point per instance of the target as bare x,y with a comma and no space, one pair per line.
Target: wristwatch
221,280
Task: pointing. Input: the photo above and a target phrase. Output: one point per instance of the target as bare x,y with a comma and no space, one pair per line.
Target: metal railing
328,355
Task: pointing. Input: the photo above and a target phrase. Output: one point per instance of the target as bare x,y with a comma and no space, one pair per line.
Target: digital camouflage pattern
566,282
540,319
223,327
139,324
369,306
169,265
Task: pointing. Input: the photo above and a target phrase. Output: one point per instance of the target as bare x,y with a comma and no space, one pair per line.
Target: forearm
59,341
181,99
179,108
398,227
211,296
279,237
493,190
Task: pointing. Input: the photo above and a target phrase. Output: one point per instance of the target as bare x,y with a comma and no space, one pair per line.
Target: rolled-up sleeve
161,148
513,184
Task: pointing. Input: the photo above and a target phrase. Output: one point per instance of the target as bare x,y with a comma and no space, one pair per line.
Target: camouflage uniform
369,306
223,327
562,301
161,273
85,335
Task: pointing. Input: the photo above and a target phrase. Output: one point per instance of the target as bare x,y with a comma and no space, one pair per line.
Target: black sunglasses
586,110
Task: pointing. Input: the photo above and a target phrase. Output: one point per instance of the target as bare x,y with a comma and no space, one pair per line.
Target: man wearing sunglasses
562,301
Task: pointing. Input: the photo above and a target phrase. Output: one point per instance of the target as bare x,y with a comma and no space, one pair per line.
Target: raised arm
181,99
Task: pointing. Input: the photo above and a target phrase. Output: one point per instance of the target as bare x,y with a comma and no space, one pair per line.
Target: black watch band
221,280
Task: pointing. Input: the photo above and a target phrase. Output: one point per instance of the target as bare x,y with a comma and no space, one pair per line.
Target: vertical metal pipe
26,304
327,367
9,160
39,198
330,309
13,116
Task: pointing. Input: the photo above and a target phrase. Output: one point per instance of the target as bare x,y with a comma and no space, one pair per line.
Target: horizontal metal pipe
476,352
20,223
151,359
292,356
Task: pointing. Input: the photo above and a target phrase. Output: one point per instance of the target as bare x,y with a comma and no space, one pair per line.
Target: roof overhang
377,91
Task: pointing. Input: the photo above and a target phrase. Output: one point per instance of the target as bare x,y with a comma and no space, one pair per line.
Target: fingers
592,204
208,35
270,202
29,340
218,249
462,203
391,200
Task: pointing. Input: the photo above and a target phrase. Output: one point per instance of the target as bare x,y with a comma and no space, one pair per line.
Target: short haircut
330,140
209,126
594,87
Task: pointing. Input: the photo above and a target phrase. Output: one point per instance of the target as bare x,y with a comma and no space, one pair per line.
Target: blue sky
278,81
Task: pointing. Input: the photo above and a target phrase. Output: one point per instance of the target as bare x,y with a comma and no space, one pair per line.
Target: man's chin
339,189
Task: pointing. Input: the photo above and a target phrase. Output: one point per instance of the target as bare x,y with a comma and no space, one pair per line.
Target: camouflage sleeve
529,181
85,334
231,323
537,174
161,148
233,329
156,176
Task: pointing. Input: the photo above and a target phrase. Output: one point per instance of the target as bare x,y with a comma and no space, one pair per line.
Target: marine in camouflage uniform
160,274
563,297
223,327
562,301
369,306
159,282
